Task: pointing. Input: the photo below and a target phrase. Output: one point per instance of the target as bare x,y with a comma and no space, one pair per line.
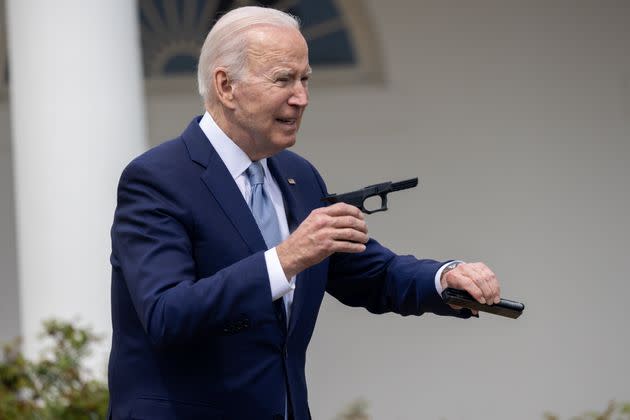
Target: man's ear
223,87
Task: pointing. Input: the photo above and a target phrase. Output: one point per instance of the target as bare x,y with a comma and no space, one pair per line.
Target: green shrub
355,411
614,411
58,386
55,387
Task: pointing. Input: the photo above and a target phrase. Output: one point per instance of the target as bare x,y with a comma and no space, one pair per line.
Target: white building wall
515,116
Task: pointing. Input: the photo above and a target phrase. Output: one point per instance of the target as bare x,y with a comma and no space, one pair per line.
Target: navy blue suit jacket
196,334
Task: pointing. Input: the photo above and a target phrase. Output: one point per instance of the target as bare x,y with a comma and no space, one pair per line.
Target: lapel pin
291,181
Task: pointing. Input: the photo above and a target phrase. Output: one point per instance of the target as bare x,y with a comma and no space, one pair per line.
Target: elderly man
222,251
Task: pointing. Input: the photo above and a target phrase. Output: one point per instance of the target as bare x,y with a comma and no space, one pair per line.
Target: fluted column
78,115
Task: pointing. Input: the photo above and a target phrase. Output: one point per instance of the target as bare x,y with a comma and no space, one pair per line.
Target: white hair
226,43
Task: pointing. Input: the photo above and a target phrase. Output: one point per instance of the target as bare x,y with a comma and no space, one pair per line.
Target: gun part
357,198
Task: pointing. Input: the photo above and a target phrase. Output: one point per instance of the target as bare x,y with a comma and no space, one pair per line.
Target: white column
77,106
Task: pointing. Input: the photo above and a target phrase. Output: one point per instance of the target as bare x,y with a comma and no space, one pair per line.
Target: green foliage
355,411
614,411
55,387
58,387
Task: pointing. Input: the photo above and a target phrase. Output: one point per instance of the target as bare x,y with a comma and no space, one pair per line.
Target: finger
342,209
350,222
349,247
349,235
458,278
475,291
491,282
478,278
494,283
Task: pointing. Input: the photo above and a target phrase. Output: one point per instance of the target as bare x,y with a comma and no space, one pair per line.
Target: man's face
272,95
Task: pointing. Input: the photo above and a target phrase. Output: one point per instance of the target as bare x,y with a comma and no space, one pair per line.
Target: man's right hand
337,228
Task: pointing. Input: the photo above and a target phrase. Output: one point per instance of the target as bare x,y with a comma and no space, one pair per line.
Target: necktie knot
256,173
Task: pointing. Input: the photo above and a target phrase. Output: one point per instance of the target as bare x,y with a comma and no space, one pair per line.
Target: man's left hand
475,278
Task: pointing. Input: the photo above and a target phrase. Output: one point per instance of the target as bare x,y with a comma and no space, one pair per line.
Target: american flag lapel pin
291,181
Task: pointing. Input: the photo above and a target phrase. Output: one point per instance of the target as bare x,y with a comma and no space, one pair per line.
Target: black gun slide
507,308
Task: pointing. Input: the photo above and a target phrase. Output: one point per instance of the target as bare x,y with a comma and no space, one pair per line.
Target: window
342,45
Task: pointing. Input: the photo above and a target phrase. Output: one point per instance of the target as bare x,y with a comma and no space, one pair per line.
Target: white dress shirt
237,163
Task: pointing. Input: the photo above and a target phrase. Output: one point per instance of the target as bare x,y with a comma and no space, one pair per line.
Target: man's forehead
262,39
277,47
267,33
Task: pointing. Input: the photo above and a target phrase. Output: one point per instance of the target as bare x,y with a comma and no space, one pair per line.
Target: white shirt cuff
280,286
438,276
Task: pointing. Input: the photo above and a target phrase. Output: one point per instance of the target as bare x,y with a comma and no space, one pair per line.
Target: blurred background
514,114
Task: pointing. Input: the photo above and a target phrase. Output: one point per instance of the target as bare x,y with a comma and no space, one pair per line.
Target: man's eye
282,79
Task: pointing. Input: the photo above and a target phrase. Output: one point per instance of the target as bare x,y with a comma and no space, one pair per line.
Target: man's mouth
287,121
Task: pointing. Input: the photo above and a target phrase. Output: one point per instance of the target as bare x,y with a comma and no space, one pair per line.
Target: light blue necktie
262,207
266,217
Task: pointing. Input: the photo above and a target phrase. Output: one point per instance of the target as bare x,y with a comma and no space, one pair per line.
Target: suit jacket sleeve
152,248
381,281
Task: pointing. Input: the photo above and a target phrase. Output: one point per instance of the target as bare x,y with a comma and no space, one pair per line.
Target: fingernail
482,300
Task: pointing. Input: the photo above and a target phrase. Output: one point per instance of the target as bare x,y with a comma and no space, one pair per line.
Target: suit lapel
222,186
295,215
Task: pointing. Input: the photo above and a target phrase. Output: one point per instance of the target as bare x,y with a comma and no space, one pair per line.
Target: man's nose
299,96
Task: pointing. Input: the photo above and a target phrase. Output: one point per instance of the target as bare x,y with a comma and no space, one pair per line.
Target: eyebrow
288,72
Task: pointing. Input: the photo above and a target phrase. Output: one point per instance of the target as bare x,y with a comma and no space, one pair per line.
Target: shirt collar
234,158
